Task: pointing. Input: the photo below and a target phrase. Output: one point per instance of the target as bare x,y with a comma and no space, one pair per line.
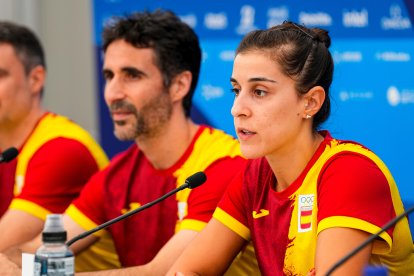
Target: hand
311,272
8,268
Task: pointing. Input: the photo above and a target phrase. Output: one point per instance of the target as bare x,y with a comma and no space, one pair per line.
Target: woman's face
268,113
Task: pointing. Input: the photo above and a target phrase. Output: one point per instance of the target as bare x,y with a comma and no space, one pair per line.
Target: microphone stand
126,215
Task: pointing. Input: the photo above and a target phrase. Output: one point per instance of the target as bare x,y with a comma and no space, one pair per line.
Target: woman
305,199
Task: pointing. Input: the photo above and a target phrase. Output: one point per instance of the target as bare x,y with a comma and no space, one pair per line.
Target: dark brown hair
175,44
302,54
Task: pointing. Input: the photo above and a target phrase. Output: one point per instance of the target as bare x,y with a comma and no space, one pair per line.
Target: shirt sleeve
204,199
354,192
55,176
84,210
231,209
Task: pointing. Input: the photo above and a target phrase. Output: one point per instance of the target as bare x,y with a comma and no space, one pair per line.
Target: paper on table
27,264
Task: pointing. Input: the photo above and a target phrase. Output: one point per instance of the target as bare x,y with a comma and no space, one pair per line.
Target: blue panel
373,49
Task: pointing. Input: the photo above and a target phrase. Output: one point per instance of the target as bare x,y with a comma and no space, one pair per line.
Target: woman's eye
235,91
260,93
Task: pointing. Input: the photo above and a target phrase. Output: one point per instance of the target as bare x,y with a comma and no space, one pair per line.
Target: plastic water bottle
54,257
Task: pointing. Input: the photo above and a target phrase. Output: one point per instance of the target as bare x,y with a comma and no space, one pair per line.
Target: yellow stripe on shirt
232,223
30,208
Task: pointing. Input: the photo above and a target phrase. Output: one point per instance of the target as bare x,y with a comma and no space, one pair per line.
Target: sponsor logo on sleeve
260,214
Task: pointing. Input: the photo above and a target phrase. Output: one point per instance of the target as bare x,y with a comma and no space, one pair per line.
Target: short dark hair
175,44
25,43
302,54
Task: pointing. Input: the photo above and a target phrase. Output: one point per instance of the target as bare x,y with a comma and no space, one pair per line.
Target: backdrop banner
372,46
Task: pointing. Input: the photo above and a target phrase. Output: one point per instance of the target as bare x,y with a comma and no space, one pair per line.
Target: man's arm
8,267
211,252
72,228
161,262
17,227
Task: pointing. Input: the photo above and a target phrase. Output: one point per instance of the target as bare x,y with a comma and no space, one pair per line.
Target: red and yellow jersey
131,181
52,166
343,185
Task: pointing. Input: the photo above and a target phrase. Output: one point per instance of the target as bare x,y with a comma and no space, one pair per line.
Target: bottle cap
375,271
53,230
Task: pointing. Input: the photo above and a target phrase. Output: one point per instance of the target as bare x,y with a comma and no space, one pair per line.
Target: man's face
139,103
15,90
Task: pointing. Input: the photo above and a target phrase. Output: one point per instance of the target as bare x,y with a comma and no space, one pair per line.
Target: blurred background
372,46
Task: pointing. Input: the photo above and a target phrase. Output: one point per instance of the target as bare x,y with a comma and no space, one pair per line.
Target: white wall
65,29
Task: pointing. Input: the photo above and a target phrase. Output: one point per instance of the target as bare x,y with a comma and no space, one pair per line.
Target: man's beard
149,121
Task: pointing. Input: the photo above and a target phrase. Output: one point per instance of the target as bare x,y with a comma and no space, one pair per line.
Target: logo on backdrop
190,19
276,16
216,21
246,24
392,56
396,96
348,95
355,19
395,21
315,19
347,56
211,92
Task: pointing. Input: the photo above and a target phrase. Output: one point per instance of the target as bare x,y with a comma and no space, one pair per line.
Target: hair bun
321,36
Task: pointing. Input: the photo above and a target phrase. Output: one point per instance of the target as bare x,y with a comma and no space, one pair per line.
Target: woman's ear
314,100
37,78
180,86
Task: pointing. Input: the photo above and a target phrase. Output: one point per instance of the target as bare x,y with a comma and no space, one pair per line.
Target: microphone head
196,180
9,154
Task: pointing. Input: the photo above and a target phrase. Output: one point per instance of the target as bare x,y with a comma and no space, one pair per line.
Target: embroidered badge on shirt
182,210
305,209
19,180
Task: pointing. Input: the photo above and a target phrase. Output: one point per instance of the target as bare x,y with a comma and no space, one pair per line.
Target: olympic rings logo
307,200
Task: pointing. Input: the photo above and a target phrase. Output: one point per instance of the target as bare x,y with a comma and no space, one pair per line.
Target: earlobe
180,86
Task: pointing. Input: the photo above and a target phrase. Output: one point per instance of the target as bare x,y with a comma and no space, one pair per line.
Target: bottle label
54,266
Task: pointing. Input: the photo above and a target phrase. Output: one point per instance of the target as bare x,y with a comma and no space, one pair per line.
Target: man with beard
151,67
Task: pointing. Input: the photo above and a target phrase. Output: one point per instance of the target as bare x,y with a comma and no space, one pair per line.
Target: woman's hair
302,54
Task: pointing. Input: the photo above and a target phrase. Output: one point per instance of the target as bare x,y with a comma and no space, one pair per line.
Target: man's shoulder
53,125
212,139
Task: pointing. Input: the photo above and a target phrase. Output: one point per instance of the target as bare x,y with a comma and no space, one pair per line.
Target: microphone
369,240
8,155
191,182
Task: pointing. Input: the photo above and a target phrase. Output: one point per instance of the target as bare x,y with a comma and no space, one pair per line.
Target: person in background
56,156
305,199
151,67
